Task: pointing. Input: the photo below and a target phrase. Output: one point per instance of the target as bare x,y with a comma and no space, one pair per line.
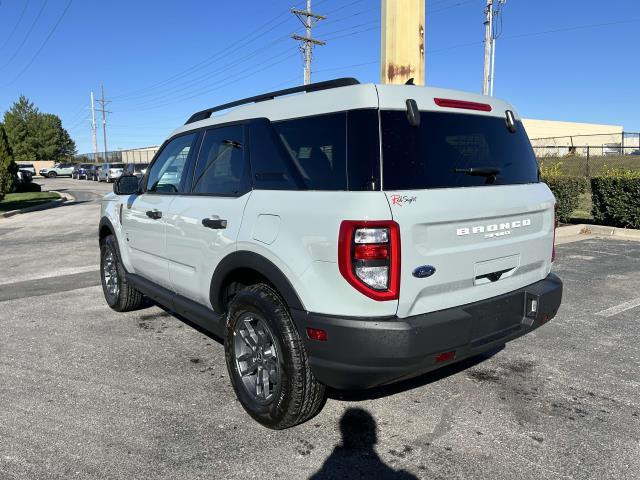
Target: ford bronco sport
349,236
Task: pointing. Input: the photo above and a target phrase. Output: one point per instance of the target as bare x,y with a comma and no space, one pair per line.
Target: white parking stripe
610,312
56,273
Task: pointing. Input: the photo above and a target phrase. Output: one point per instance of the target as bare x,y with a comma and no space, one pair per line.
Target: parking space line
47,286
610,312
57,273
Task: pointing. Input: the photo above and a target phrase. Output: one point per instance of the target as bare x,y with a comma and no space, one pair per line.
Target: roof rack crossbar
312,87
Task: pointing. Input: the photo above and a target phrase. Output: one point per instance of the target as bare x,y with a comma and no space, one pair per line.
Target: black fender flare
105,222
254,261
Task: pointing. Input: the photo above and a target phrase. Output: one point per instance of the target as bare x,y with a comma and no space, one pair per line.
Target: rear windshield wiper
479,171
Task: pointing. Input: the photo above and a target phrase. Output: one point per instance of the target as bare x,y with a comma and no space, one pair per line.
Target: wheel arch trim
245,259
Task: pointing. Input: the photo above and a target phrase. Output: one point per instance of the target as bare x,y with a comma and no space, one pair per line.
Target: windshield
451,150
117,165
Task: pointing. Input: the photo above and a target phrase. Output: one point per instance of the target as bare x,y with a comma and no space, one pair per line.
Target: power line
189,95
44,43
15,27
353,33
183,92
342,7
532,34
343,30
232,82
24,40
448,7
206,77
227,51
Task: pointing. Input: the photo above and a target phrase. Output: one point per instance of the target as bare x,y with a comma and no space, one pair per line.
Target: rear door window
317,147
452,150
221,168
337,151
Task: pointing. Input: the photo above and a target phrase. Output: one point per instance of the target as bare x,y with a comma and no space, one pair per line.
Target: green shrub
567,191
616,198
8,168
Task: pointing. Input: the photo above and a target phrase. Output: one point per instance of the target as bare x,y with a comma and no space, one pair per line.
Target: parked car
24,177
110,172
609,149
58,170
350,237
91,172
137,169
27,167
80,170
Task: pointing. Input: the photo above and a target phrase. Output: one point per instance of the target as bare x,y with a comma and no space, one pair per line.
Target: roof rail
312,87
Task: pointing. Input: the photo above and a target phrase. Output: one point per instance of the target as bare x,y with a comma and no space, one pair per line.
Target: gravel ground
90,393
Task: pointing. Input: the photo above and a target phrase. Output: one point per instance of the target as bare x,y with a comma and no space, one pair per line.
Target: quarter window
166,172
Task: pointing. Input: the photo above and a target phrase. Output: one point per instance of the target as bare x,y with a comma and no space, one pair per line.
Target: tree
8,168
18,122
36,136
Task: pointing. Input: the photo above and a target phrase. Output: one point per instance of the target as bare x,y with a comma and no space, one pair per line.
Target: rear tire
118,293
271,344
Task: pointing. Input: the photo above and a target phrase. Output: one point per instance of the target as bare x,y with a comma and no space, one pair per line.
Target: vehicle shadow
188,322
355,455
412,383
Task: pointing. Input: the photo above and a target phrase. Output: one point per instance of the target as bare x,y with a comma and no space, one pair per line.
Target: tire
118,293
294,395
52,175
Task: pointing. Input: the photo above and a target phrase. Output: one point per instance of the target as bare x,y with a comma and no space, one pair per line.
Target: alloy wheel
110,273
256,356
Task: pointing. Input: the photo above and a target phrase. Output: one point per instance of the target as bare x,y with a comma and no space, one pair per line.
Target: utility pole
402,50
488,36
94,133
308,19
491,33
103,103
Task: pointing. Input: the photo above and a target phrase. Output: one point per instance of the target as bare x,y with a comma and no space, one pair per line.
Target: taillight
369,257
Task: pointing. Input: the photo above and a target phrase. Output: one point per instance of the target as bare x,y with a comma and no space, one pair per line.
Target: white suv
110,172
348,236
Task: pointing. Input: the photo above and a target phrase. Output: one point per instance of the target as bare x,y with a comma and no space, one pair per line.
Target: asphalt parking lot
89,393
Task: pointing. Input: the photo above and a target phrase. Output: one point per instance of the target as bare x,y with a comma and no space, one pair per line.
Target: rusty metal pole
402,49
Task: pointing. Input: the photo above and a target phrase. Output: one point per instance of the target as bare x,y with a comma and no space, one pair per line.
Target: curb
598,231
42,206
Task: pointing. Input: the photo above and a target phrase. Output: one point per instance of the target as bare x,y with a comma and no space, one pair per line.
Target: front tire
52,175
118,293
267,360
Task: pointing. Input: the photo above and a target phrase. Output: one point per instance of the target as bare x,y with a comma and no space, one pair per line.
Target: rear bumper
364,353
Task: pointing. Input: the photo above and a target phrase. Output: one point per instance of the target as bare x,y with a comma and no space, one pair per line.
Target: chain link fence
137,155
588,161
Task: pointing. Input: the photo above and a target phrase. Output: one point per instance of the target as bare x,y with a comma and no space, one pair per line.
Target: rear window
451,150
116,165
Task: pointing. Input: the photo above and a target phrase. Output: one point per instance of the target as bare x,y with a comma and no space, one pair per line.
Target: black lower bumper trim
364,353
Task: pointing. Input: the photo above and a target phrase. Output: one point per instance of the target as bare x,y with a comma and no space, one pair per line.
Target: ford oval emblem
424,271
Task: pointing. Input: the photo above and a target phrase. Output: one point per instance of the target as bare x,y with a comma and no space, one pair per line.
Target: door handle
154,214
215,223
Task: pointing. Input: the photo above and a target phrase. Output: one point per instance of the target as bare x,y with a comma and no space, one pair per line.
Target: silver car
110,172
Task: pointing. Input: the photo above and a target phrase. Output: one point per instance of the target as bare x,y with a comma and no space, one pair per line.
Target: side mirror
126,185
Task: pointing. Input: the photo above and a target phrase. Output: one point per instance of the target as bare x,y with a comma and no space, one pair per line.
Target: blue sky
160,61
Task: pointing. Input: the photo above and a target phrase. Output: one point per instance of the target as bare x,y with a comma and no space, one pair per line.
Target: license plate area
496,318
